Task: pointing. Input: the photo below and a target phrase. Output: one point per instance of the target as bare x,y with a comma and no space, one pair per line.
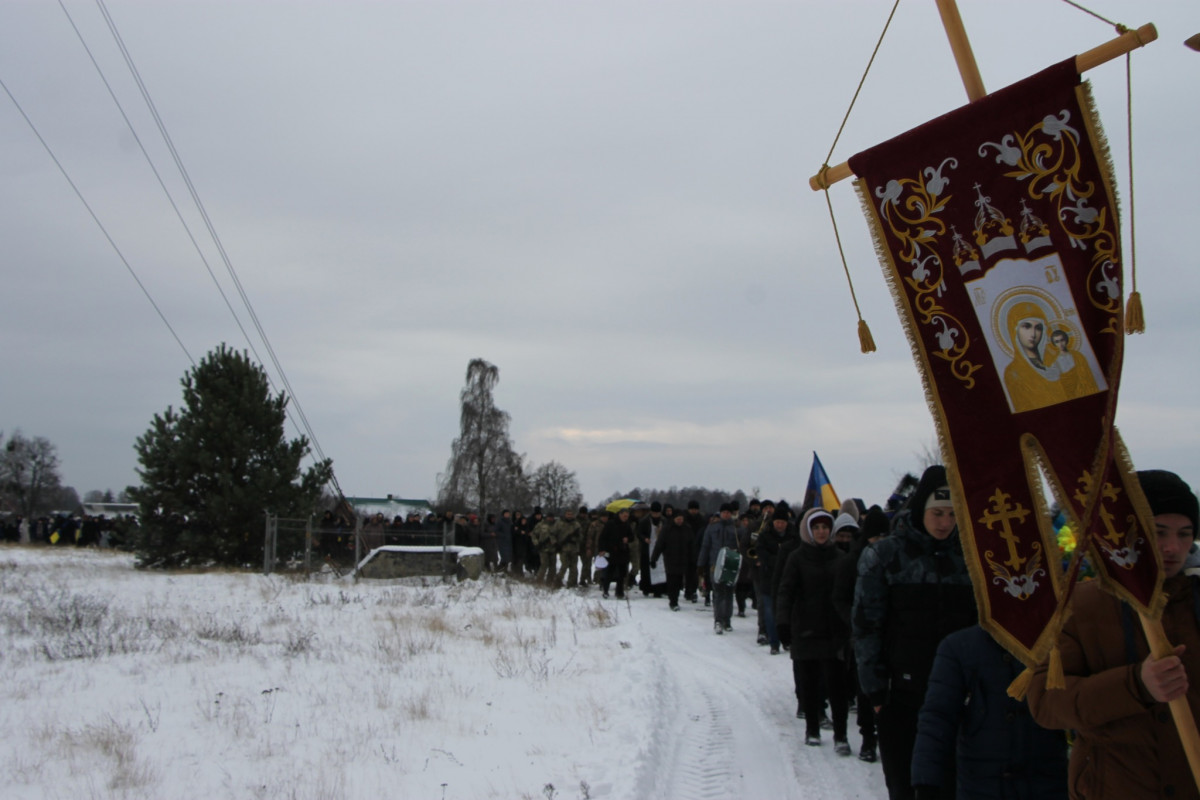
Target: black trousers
897,722
616,572
831,672
674,584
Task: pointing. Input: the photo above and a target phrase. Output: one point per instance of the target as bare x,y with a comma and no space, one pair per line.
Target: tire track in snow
727,725
703,763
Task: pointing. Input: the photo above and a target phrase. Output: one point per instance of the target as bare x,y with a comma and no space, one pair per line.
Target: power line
178,213
212,232
96,219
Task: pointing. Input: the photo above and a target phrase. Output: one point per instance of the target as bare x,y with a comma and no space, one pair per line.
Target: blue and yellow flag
820,491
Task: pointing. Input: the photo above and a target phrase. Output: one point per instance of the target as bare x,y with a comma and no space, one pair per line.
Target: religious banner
998,232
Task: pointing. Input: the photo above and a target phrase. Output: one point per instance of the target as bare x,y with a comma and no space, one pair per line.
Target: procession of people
875,608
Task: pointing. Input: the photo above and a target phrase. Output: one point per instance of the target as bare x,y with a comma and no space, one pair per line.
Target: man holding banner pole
1116,691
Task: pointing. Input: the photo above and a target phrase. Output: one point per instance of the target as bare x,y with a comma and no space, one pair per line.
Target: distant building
390,506
110,510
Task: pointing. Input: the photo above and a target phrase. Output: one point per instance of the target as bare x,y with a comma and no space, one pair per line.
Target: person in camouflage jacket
913,590
569,537
545,539
591,536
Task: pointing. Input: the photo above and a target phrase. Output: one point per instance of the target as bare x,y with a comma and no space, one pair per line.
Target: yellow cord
866,342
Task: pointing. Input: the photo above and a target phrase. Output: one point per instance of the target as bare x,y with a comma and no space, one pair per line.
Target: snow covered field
128,684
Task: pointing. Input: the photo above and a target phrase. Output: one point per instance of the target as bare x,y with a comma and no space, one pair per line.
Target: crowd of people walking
875,608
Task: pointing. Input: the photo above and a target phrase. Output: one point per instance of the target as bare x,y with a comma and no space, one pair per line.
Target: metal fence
297,544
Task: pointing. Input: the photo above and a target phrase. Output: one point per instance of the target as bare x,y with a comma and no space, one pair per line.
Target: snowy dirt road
728,717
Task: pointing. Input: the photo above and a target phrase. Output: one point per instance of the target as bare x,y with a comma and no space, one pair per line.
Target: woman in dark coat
677,546
806,618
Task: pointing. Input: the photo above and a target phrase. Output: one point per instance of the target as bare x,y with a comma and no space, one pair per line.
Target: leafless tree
29,477
555,486
483,464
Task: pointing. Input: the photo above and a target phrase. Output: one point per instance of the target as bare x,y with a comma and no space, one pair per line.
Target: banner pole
1185,722
961,47
1112,49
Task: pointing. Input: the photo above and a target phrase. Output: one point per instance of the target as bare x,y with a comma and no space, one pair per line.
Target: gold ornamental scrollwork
1048,159
909,208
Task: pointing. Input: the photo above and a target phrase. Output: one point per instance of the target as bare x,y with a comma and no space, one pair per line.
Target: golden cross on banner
1004,513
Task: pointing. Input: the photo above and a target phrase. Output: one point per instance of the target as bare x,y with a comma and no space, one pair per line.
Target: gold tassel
1054,674
1020,686
865,340
1135,320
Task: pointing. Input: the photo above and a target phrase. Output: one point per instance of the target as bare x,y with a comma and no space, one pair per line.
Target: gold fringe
1054,673
865,340
1020,686
1135,320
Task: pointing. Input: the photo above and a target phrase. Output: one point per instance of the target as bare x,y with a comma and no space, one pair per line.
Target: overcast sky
606,200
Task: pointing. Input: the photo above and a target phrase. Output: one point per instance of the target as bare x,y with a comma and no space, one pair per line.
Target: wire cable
212,231
96,219
170,199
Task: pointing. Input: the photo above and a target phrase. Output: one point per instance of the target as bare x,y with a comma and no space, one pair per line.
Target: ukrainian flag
820,491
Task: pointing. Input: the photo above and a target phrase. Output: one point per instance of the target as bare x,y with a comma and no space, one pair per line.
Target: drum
725,570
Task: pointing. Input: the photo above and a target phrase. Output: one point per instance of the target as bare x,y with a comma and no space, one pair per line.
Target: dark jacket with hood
912,591
968,720
805,601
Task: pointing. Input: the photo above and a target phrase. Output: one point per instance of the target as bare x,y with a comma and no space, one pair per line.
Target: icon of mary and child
1045,369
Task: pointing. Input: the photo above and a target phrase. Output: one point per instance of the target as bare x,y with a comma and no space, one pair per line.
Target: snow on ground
129,684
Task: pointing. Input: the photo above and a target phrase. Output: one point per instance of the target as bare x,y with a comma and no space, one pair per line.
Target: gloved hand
784,632
653,563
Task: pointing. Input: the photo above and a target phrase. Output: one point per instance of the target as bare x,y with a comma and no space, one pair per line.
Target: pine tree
213,469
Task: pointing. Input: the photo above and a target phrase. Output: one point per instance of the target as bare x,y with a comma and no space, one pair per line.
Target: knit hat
655,506
782,510
844,520
725,507
1167,493
875,523
933,483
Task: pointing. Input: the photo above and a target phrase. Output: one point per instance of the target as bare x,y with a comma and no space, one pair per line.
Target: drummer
721,533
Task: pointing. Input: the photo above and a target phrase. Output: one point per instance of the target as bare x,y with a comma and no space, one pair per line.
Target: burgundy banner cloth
997,229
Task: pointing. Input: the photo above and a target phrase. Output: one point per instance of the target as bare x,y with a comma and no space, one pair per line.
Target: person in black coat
615,542
874,527
676,545
765,545
818,634
697,522
968,719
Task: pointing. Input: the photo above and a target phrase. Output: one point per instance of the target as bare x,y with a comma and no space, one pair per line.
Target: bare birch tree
483,465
